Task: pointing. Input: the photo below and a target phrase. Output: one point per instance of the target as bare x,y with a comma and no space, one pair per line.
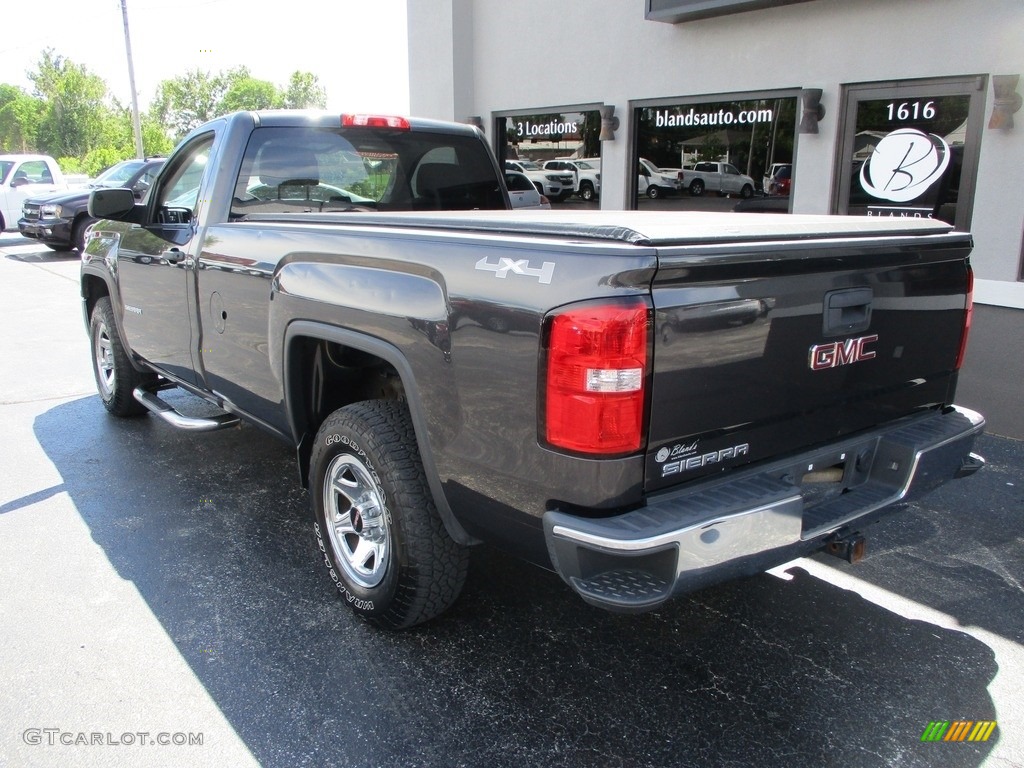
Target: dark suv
59,220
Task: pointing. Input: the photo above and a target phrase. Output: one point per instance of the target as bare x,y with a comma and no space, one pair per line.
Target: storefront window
560,152
910,150
716,155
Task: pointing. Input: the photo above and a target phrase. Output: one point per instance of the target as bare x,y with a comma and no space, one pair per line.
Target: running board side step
190,423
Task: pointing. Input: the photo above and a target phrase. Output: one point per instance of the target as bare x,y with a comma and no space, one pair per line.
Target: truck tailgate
764,350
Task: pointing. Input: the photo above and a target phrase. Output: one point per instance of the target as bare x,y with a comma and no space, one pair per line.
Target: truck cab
22,177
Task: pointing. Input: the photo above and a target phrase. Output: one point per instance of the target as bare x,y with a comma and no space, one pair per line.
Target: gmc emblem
825,356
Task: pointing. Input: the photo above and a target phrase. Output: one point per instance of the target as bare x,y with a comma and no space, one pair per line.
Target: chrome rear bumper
753,519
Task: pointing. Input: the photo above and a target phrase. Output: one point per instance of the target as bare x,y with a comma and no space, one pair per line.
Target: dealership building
865,107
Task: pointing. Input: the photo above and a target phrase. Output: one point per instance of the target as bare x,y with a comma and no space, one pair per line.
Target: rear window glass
517,182
321,170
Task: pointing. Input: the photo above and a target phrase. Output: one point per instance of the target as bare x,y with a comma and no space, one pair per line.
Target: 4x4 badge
518,267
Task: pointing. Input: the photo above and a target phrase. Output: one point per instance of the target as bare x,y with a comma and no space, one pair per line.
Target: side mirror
20,181
111,203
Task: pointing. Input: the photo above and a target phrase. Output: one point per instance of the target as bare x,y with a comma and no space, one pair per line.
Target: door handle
173,255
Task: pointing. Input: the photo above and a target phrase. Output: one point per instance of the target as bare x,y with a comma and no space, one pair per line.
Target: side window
178,197
31,172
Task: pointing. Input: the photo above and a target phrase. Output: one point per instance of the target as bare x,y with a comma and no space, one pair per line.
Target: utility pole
136,123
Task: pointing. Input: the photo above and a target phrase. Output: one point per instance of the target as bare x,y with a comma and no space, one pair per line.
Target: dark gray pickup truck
647,403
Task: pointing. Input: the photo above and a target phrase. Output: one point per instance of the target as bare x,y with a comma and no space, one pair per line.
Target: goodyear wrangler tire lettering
382,540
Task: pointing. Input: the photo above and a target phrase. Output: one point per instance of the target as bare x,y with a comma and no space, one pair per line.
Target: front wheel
747,192
587,191
382,539
78,232
114,373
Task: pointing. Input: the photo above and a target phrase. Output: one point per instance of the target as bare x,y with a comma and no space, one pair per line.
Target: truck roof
323,118
23,157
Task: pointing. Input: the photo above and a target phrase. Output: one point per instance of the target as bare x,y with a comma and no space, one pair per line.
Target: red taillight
375,121
596,378
968,316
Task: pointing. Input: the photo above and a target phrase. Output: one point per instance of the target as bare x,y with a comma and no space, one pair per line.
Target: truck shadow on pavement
216,536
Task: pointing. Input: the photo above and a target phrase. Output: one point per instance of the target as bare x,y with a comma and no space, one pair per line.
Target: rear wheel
383,541
115,376
696,187
653,192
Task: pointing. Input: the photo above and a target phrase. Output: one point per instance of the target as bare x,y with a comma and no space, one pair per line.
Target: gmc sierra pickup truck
645,402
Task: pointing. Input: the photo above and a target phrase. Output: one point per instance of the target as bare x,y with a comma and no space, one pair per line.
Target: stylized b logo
916,159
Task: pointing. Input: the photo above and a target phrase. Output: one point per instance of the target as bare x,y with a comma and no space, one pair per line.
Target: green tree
72,117
20,115
246,92
304,92
187,101
72,120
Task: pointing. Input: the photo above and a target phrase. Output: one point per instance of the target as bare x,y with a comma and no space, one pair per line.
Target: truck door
156,264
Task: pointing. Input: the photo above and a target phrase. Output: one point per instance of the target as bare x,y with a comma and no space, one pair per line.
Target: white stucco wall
477,57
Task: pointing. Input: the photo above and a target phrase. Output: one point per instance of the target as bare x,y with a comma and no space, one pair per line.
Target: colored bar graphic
982,731
959,730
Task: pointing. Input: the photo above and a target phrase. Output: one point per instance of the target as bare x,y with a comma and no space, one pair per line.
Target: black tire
78,233
747,192
696,188
587,191
389,553
115,376
653,192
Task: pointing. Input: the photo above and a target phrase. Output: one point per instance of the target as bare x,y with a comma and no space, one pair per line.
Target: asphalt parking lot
162,589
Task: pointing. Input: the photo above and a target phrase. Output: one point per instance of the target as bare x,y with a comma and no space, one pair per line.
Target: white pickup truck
586,176
556,185
22,177
723,178
654,182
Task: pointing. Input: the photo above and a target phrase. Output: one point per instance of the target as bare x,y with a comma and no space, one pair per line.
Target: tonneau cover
643,228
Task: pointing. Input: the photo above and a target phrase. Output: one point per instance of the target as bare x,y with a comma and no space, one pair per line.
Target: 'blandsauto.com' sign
665,118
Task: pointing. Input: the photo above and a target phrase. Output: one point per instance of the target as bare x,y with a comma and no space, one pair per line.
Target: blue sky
357,48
